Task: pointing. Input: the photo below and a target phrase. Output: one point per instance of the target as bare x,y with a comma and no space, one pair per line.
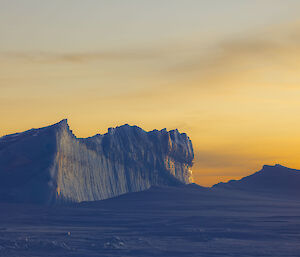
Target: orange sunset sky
225,72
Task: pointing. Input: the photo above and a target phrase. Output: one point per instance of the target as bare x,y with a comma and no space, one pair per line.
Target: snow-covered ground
163,221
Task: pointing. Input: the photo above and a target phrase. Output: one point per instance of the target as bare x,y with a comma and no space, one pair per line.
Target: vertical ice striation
125,159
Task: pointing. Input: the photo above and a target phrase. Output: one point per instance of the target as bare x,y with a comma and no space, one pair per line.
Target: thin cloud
269,46
272,45
84,57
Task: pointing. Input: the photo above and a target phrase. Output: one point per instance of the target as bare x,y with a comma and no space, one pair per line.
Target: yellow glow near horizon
234,89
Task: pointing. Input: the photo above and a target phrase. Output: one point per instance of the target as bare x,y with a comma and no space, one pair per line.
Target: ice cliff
50,165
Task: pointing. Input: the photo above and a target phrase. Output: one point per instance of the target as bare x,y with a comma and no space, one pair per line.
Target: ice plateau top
51,165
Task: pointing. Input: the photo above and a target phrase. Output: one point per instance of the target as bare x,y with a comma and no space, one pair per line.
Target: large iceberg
50,165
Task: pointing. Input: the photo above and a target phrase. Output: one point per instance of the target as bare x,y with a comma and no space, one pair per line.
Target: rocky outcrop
51,165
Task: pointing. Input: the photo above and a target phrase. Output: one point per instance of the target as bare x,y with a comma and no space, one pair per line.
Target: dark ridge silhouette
274,180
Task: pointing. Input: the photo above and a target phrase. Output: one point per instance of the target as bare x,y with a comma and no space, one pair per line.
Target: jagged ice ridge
52,165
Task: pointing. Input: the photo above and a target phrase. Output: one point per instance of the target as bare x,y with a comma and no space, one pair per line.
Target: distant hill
51,165
274,180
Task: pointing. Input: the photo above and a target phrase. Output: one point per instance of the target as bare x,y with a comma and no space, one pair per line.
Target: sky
224,72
